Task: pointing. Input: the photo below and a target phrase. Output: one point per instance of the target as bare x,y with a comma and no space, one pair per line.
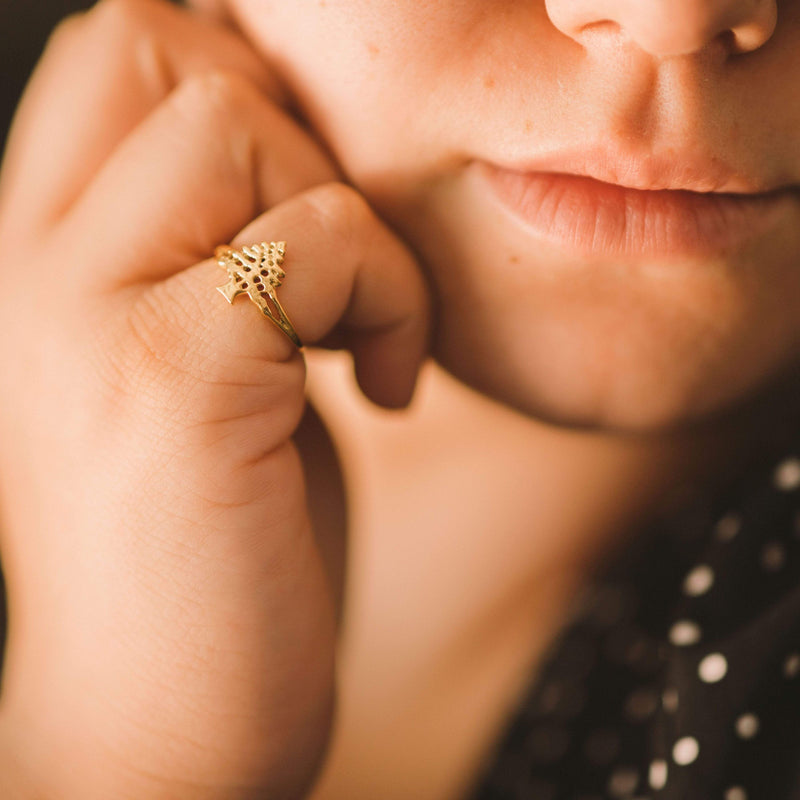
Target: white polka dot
698,581
686,750
658,774
747,726
791,667
713,668
773,556
787,475
735,793
670,700
727,527
684,633
623,782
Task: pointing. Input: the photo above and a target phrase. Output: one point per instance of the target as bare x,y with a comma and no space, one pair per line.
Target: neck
516,499
588,490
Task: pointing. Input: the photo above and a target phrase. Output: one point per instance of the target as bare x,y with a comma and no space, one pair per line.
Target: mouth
644,209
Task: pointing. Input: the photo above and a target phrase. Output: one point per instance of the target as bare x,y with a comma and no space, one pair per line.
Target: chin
639,394
644,343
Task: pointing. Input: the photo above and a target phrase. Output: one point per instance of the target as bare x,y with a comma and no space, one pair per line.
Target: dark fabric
679,678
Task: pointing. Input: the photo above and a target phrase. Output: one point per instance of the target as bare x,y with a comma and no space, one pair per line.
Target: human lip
629,208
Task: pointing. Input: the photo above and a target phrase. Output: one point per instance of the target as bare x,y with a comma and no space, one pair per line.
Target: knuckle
68,29
128,36
339,209
122,17
215,92
108,26
214,106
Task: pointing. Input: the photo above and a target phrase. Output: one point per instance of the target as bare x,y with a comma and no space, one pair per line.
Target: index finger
102,74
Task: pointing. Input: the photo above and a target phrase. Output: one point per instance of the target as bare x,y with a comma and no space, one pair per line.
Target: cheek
633,347
376,78
400,92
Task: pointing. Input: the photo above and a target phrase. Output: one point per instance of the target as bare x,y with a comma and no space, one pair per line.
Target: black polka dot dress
679,677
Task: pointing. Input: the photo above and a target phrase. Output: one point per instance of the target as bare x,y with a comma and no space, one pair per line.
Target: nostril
602,26
755,32
667,28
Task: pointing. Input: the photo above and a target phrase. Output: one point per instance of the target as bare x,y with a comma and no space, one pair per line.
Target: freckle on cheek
528,128
488,82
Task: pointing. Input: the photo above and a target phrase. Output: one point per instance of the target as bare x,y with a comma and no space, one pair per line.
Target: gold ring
256,271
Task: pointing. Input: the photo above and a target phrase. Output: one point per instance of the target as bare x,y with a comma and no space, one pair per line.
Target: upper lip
676,170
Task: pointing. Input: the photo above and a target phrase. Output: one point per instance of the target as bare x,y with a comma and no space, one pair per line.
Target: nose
666,28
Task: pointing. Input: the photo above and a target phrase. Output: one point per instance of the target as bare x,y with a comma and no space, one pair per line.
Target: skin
173,522
675,367
397,103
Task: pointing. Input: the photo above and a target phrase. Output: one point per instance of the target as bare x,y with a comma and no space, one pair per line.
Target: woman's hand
172,610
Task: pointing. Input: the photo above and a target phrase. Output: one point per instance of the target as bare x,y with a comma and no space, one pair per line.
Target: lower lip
588,216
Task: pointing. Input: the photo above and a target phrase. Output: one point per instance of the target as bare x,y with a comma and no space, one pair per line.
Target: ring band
256,271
